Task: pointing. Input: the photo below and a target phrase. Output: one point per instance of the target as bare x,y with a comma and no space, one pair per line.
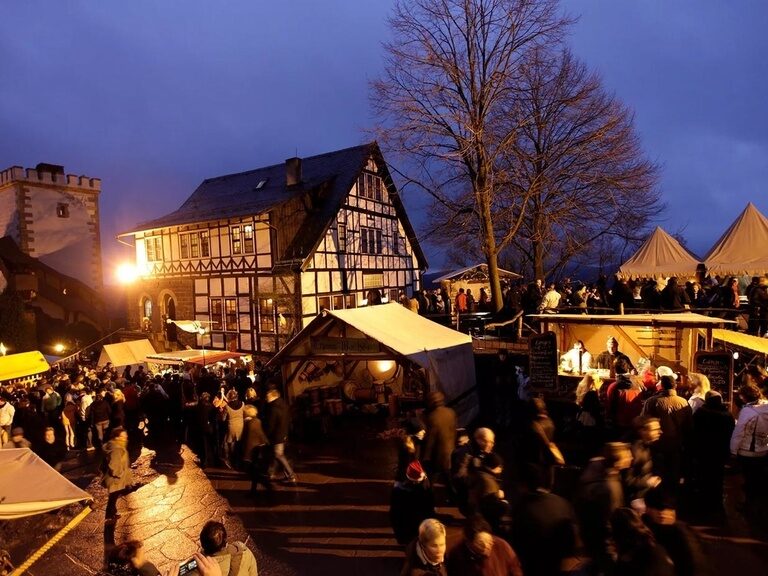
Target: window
146,308
184,245
236,247
261,184
194,245
370,241
349,301
342,237
230,314
395,238
338,302
248,238
154,248
370,186
62,210
266,315
216,313
324,302
373,280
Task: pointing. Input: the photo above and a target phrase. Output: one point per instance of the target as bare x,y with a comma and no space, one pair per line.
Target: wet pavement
333,520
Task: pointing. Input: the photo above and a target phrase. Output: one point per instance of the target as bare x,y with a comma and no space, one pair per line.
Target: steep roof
661,255
743,248
240,195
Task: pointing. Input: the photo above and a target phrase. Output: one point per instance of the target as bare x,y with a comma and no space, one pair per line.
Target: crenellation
35,176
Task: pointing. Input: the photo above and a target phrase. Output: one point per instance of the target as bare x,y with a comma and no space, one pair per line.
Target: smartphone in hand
188,566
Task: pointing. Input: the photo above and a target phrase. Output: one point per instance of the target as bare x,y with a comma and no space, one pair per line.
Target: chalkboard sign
543,360
718,367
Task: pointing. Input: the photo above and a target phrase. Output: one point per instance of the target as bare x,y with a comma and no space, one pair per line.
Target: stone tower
54,217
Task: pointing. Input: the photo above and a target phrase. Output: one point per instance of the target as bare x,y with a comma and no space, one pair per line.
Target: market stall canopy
445,354
743,248
29,486
22,365
660,256
687,319
754,343
126,353
201,357
475,273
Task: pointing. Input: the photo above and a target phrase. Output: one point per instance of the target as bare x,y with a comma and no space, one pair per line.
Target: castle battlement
41,176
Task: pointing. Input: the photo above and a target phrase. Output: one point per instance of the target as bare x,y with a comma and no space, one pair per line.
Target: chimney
293,171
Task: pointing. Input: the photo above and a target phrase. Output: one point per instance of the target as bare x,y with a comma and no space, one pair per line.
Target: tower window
62,210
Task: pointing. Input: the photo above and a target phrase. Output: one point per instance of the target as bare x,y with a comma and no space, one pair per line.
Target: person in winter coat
116,470
425,556
486,498
17,439
255,447
278,424
411,502
234,558
482,554
637,552
233,407
712,430
440,437
749,442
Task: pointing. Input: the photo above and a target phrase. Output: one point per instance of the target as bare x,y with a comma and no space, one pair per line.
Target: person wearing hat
17,439
411,502
613,360
676,420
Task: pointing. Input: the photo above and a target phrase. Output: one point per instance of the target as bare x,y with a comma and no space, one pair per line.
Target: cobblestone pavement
334,520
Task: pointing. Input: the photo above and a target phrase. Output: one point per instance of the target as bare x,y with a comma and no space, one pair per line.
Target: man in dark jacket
278,423
440,438
712,429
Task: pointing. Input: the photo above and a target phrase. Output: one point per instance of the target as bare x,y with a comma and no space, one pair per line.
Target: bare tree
579,161
450,79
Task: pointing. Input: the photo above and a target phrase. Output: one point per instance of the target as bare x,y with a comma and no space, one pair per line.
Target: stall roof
754,343
474,272
29,486
201,357
743,248
22,365
661,255
126,353
690,319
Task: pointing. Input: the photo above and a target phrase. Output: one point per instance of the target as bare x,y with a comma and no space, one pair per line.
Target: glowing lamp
59,348
382,369
127,273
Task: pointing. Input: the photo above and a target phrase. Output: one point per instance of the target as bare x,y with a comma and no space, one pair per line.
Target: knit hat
414,472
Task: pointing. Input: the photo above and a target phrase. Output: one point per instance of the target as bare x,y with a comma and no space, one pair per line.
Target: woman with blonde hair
426,554
700,385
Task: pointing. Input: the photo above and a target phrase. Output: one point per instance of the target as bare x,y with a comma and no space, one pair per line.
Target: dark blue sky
153,97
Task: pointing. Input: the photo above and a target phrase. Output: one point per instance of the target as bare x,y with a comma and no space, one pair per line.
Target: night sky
153,97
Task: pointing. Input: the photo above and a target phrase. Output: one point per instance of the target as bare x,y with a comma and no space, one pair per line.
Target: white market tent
28,485
660,256
743,249
126,353
22,366
445,354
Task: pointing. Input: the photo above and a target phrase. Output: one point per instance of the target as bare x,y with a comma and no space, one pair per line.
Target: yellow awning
754,343
22,365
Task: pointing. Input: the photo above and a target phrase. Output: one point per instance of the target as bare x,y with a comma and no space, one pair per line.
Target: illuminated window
248,239
62,210
266,315
236,245
230,314
216,313
204,249
373,280
146,308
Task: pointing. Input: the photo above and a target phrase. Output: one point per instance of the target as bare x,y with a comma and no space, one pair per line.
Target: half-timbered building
254,256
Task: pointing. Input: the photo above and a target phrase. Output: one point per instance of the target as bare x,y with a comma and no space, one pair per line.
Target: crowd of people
101,410
646,446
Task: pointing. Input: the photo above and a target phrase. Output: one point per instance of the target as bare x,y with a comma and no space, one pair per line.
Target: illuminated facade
257,255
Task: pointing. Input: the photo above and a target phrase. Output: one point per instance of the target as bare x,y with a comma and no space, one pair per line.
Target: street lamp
3,349
59,348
